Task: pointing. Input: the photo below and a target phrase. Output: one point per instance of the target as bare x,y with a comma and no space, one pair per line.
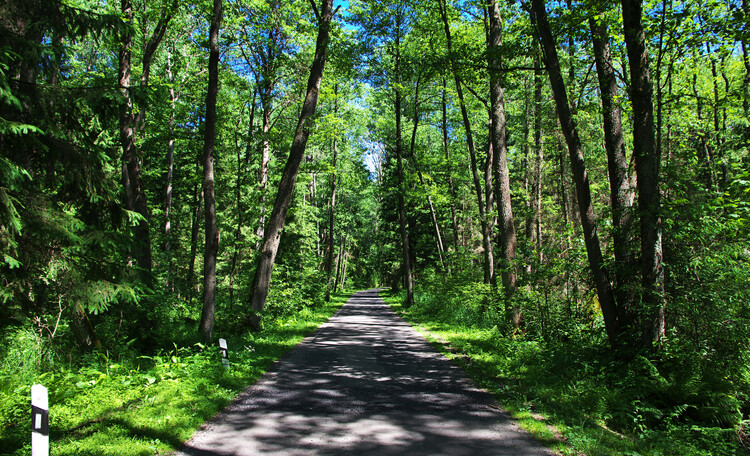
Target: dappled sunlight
365,382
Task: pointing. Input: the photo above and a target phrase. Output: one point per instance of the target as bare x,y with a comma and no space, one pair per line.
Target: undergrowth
575,395
142,405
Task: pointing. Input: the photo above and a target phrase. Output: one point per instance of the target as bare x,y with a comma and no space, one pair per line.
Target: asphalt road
365,383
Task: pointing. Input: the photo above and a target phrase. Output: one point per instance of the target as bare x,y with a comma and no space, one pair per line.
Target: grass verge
559,393
152,404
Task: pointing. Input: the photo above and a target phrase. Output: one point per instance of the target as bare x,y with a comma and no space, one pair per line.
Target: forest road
365,383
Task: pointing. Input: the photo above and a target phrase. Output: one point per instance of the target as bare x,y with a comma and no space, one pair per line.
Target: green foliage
590,401
129,404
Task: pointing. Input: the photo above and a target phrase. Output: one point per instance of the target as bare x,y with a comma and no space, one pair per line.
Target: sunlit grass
558,395
153,405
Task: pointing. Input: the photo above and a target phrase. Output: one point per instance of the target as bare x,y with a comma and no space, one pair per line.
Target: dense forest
571,176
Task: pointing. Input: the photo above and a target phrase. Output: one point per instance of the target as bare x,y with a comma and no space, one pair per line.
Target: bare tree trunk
195,230
272,236
507,231
536,204
621,192
449,161
170,169
211,253
241,173
647,164
265,158
135,197
580,176
406,254
489,263
332,209
339,263
343,272
412,156
131,121
528,175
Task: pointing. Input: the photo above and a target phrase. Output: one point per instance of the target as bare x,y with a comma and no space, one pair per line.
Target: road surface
365,383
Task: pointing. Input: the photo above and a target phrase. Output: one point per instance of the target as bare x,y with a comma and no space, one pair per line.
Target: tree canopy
577,172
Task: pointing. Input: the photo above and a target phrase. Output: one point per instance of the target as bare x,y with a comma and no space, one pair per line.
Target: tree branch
315,9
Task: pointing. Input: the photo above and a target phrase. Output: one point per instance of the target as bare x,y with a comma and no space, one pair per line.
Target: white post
224,353
39,421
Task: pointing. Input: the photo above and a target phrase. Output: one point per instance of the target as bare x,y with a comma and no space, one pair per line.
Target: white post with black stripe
39,421
224,353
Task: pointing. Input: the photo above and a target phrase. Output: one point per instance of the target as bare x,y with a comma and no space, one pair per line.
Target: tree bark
449,161
130,122
406,254
242,172
272,236
195,230
617,164
135,197
536,204
170,159
580,176
489,263
413,158
339,262
211,253
647,164
265,159
506,230
170,174
332,209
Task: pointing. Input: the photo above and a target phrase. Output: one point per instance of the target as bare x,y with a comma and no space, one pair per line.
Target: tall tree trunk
449,161
647,164
170,171
406,254
135,197
194,231
506,230
617,164
580,176
332,208
339,262
415,163
272,236
132,120
489,263
211,253
242,171
265,158
536,204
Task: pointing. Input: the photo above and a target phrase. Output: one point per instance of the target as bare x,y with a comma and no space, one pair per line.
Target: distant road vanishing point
365,383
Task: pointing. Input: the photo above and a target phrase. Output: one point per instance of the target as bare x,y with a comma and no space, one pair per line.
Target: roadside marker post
39,421
224,353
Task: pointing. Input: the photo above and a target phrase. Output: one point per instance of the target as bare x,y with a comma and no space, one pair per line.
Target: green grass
563,394
152,404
